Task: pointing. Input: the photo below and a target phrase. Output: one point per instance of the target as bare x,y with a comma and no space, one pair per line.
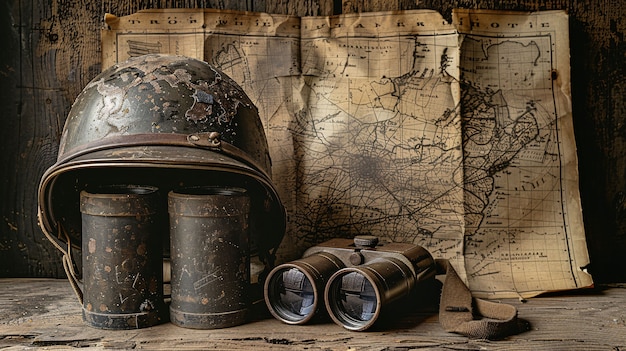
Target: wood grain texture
44,313
51,49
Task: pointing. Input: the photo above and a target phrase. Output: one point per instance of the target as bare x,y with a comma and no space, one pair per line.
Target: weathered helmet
161,120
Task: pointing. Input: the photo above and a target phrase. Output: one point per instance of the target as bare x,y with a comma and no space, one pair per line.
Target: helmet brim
168,168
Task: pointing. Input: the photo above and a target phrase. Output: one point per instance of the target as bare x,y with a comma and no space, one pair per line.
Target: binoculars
354,279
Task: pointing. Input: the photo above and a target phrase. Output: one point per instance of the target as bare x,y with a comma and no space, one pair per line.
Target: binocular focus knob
356,258
362,241
366,241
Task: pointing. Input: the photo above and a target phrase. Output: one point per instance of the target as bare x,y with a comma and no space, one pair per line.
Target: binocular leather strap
460,313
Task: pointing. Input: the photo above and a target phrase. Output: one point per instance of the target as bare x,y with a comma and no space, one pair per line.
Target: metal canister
210,257
122,257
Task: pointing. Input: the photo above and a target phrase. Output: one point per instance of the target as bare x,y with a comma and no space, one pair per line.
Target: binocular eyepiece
353,279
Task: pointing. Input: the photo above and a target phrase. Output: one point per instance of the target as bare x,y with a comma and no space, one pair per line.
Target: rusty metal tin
210,257
122,257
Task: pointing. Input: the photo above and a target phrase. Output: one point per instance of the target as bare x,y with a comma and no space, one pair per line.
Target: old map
456,137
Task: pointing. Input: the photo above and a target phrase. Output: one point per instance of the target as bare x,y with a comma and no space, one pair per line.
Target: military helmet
161,120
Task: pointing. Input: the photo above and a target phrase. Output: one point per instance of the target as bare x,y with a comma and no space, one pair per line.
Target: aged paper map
454,136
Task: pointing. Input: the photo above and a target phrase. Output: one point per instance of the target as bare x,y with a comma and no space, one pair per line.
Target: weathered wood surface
44,312
51,49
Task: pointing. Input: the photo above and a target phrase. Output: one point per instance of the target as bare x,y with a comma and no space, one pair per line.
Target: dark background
51,50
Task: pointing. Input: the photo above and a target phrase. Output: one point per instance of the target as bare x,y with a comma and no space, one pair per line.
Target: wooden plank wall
51,49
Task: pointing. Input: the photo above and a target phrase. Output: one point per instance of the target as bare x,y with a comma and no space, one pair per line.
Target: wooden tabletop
44,313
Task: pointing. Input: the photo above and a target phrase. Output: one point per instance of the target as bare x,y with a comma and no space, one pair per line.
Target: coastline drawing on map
454,136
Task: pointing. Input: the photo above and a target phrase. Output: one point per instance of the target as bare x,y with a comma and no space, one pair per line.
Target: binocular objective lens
352,300
291,294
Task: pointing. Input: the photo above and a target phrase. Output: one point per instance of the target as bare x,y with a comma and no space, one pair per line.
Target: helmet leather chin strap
476,318
66,257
